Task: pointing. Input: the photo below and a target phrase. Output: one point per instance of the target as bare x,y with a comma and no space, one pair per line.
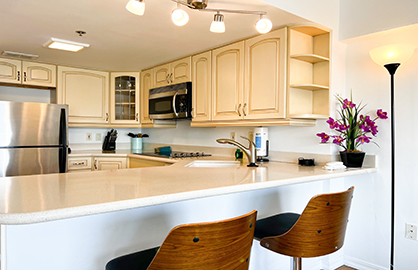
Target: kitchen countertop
40,198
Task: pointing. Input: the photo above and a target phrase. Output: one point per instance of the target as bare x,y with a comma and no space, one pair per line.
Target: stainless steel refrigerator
33,138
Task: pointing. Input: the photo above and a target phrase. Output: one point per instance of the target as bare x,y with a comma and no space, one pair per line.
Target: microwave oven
171,102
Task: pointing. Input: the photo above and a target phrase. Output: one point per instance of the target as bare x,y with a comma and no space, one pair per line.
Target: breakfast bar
110,213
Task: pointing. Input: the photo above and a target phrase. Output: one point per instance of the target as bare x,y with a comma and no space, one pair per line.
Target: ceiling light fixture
65,45
218,25
263,25
179,16
136,7
19,55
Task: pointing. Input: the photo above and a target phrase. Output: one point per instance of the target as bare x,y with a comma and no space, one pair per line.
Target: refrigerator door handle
63,142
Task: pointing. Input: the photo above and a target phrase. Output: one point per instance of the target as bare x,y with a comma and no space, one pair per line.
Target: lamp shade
392,54
264,26
137,7
218,25
179,17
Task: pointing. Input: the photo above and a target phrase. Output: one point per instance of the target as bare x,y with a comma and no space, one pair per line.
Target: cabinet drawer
79,163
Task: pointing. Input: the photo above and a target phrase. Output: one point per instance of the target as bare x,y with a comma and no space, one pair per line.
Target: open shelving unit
308,72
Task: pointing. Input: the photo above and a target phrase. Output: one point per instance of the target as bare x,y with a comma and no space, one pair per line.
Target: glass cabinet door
125,101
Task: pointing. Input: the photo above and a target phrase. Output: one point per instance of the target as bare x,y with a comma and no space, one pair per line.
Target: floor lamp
391,57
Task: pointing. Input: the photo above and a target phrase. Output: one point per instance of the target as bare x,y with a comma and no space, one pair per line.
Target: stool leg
296,263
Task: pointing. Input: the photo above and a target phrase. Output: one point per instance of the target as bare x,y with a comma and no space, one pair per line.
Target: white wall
370,83
24,94
78,136
359,17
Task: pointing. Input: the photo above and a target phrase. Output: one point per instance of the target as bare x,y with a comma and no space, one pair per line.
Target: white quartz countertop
40,198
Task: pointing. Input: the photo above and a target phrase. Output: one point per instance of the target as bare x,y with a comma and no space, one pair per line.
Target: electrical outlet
251,135
233,135
410,231
98,136
88,137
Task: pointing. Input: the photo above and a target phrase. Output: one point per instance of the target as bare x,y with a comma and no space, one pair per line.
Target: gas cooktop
173,154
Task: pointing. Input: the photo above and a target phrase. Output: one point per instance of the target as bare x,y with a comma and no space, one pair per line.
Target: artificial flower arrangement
353,128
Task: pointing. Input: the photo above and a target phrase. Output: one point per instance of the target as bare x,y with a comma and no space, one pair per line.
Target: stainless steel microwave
171,101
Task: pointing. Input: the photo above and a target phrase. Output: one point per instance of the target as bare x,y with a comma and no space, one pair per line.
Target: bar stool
205,246
318,231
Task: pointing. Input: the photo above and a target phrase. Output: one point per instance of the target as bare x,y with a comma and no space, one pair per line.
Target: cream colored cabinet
28,73
124,98
144,163
146,85
87,94
109,163
308,71
227,82
265,70
77,164
201,80
175,72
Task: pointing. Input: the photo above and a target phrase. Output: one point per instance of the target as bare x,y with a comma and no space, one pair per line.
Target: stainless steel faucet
250,151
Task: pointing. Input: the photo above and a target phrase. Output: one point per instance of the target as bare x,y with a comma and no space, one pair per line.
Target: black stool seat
134,261
275,225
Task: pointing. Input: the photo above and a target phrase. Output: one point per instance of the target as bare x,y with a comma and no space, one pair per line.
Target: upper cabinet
146,85
227,82
175,72
124,98
28,73
87,94
201,85
265,81
308,72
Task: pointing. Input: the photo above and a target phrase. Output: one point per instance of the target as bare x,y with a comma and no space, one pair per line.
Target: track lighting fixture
180,17
218,25
137,7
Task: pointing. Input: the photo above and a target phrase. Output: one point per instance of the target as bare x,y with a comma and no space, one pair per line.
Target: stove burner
179,154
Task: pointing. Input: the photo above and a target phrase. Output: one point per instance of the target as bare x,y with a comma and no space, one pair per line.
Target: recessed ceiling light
65,45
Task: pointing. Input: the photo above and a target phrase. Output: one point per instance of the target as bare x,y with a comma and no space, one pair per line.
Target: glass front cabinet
124,95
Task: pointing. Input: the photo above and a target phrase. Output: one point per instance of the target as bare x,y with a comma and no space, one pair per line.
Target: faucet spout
250,151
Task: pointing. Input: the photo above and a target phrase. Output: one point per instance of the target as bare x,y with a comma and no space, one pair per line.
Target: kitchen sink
213,164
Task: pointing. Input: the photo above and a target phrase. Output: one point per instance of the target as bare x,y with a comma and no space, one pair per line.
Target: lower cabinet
109,163
79,164
141,163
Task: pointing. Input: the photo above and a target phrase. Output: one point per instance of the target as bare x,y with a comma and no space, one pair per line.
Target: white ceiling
121,41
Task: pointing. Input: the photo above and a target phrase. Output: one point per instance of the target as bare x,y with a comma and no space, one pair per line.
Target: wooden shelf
124,103
125,90
310,58
309,86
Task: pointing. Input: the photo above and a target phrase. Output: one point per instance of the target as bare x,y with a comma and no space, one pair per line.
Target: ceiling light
137,7
218,25
264,25
19,55
66,45
179,17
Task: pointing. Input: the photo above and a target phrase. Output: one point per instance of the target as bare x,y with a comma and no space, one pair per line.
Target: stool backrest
208,246
320,230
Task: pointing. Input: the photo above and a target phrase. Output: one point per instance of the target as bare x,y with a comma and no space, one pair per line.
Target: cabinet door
180,70
227,82
146,85
124,98
10,70
79,163
201,80
105,163
265,64
161,75
39,74
87,94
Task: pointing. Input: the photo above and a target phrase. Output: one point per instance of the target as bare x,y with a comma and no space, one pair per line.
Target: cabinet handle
243,109
24,76
239,106
137,116
95,164
171,77
78,163
166,78
18,76
107,116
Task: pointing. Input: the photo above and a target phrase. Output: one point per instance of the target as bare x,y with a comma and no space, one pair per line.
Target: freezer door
32,124
27,161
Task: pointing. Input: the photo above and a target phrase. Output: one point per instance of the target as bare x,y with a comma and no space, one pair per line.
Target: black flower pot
352,159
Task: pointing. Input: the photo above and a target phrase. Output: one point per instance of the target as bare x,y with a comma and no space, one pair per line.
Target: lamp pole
392,70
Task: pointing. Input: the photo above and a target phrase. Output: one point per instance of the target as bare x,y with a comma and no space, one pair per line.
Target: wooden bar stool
203,246
318,231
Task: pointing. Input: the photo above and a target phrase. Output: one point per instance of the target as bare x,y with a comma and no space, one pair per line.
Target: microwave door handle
174,104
